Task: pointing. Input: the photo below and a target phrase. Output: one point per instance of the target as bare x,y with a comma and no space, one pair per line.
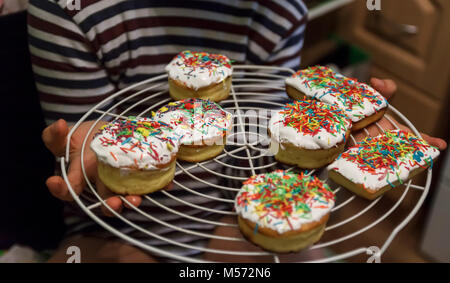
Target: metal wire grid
251,81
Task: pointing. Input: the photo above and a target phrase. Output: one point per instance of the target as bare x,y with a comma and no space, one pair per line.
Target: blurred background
407,41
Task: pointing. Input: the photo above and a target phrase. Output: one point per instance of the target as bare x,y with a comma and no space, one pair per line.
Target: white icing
196,77
375,182
164,142
319,205
205,122
323,140
356,113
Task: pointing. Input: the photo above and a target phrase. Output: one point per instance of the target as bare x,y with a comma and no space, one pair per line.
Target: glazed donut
363,104
283,211
135,156
308,133
378,164
199,75
201,124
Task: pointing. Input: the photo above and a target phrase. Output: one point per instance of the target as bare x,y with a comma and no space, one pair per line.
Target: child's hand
388,88
55,139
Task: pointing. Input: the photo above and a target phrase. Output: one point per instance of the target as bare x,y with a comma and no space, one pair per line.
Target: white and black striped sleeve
69,77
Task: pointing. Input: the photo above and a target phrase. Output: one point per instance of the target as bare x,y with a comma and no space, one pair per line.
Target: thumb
386,87
437,142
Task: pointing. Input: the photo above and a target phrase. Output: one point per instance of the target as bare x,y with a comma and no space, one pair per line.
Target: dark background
29,215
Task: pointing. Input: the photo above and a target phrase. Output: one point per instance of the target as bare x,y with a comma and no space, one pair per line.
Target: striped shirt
82,56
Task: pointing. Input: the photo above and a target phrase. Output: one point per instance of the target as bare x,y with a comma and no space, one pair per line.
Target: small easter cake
363,104
201,124
199,75
378,164
283,211
135,156
308,133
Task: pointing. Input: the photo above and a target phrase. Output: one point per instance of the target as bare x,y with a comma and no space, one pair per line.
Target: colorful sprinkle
283,197
129,140
309,117
384,155
195,119
324,84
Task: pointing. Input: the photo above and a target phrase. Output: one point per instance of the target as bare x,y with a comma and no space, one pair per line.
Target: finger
358,136
115,203
75,175
437,142
54,137
55,186
373,130
58,188
392,124
90,165
386,87
133,200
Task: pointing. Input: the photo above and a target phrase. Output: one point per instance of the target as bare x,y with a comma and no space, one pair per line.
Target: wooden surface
419,64
422,110
421,67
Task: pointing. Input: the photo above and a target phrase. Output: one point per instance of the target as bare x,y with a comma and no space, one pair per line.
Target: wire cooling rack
255,88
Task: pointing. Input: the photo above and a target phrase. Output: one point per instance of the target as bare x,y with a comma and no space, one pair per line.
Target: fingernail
134,200
377,82
115,204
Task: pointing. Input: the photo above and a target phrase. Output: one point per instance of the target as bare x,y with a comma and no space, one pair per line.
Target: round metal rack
255,88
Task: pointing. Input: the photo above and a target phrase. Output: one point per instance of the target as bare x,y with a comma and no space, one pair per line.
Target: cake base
135,182
290,154
216,92
199,153
292,241
363,192
298,95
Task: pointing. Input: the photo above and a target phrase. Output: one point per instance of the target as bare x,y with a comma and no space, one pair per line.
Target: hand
388,88
55,139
